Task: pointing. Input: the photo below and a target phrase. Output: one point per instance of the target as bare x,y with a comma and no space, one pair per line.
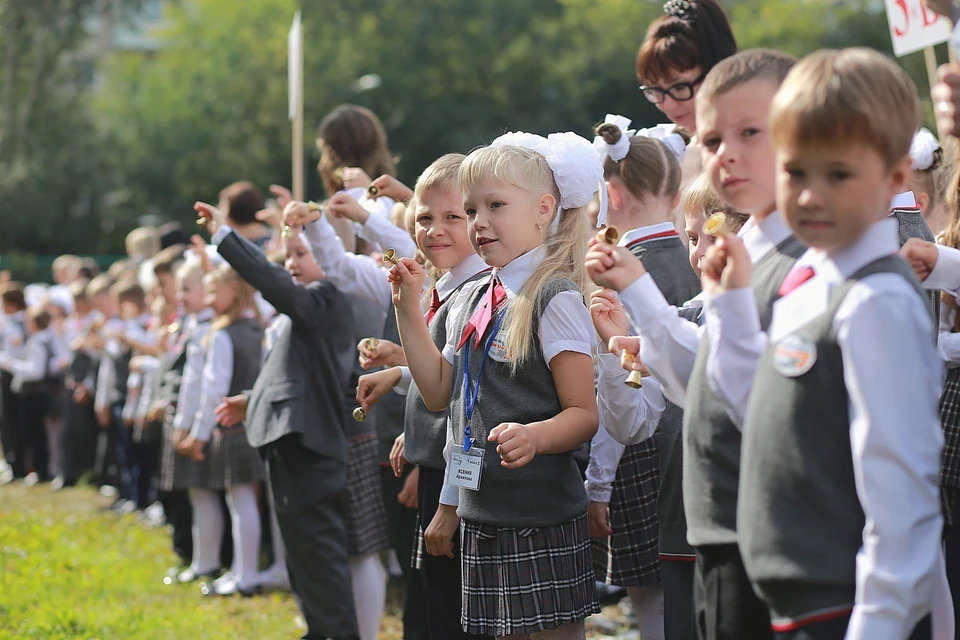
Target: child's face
104,304
831,195
503,221
698,240
31,326
737,150
190,295
220,295
81,306
300,262
8,309
441,228
129,310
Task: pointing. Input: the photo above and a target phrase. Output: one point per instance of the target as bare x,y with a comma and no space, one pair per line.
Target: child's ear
614,191
923,200
899,176
546,207
676,201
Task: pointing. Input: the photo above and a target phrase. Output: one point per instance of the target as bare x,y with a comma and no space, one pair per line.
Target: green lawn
69,571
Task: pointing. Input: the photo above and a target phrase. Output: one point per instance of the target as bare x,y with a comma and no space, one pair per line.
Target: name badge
465,468
794,355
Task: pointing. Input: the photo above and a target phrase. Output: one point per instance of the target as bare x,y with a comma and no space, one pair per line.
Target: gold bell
373,191
372,344
173,327
314,206
338,174
608,235
286,231
201,221
716,225
390,255
634,379
359,414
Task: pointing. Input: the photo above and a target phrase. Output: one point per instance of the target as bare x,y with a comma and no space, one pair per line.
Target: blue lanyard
470,398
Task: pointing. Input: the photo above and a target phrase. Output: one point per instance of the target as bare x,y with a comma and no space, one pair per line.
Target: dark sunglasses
681,92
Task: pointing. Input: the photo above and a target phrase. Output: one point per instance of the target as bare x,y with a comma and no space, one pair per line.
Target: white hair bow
666,133
922,148
621,148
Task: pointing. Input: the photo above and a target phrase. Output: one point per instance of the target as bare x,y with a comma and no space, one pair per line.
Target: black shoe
249,592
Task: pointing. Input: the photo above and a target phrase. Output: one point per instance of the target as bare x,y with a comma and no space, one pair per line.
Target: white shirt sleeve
605,454
668,343
403,387
33,365
217,376
188,398
386,234
946,273
896,442
735,349
948,342
350,273
105,383
629,415
449,494
566,326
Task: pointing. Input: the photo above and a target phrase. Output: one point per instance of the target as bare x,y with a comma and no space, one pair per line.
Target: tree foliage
210,106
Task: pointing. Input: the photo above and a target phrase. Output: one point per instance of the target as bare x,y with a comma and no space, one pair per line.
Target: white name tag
465,468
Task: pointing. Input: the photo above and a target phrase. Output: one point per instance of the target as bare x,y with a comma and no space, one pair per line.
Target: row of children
795,369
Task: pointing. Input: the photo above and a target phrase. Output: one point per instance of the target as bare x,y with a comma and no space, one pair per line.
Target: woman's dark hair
242,201
693,33
352,136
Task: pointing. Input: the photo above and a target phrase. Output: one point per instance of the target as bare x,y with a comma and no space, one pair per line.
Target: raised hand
343,205
726,266
612,267
406,281
381,354
214,218
608,315
390,187
282,195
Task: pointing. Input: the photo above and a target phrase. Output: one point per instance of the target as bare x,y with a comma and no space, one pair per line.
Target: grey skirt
518,581
229,461
365,515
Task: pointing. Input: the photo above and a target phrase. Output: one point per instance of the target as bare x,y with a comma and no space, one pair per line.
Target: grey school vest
912,224
667,261
425,431
711,441
547,491
798,482
246,334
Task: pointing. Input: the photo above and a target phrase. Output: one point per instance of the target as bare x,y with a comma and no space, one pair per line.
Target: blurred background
120,113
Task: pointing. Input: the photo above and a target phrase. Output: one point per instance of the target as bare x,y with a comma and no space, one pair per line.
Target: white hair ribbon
619,150
922,148
666,133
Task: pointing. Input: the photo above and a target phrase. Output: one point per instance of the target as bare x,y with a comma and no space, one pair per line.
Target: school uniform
30,374
833,489
530,521
232,365
12,439
677,351
360,275
425,434
79,423
912,224
631,556
295,418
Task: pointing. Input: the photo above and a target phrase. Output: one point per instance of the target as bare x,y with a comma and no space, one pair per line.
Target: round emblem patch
794,355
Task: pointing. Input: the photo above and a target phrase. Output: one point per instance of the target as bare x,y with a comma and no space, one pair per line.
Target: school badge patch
794,355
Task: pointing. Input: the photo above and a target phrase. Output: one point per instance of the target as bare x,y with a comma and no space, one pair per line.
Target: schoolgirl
512,373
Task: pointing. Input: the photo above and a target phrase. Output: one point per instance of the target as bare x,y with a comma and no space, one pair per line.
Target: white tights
208,532
369,593
648,610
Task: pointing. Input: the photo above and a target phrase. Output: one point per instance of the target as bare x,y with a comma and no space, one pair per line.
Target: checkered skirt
365,515
229,461
419,545
175,469
631,557
518,581
950,421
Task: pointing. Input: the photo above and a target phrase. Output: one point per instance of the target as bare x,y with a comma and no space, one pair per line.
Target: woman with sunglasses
678,51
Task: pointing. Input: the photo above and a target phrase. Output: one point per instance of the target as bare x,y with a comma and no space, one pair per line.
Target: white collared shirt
905,200
445,287
643,232
33,362
216,379
893,379
191,384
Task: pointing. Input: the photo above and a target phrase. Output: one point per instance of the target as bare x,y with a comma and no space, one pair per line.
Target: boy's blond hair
442,173
744,67
99,285
700,200
839,97
143,243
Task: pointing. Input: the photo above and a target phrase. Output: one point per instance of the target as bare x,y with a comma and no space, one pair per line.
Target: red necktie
795,278
435,304
481,318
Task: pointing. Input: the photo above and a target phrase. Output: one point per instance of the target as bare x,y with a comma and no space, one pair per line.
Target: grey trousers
310,492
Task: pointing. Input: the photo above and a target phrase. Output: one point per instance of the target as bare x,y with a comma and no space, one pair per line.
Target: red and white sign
914,27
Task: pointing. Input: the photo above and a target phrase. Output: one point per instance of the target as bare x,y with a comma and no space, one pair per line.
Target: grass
70,571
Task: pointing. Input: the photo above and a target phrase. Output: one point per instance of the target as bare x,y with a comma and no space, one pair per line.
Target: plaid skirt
419,546
229,461
950,422
365,514
631,556
175,469
518,581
